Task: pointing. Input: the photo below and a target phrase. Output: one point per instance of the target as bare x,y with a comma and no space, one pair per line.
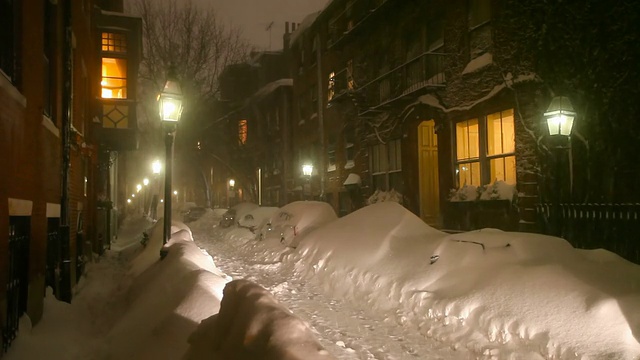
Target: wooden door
428,167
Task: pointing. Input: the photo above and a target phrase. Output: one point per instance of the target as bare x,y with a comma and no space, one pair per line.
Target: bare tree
190,38
198,46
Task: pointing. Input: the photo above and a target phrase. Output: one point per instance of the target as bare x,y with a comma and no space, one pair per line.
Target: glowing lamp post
231,192
307,170
559,117
170,102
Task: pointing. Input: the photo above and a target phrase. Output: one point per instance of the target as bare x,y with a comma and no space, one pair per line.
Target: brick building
52,102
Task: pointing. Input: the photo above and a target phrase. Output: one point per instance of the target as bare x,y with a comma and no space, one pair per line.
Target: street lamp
307,170
559,116
170,106
231,191
156,167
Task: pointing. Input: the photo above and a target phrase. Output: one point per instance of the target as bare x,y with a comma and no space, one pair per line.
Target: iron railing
425,70
17,283
615,227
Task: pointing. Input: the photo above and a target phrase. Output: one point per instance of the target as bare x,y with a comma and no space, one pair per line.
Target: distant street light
231,191
156,167
138,187
145,182
170,102
307,170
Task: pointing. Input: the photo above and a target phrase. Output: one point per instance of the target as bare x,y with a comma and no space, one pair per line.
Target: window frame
484,158
120,54
383,168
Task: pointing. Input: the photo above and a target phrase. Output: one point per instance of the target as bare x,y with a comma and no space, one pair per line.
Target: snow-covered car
230,217
294,220
256,218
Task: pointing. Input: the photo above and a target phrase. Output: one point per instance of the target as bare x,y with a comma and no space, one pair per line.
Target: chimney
293,27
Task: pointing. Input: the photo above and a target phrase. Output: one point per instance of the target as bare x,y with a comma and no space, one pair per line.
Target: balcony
118,129
343,84
415,76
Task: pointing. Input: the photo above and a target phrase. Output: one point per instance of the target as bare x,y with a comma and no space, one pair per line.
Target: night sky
254,16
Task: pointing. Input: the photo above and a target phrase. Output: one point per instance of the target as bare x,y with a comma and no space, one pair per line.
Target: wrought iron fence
17,283
615,227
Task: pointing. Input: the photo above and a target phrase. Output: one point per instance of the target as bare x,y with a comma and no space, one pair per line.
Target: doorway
428,172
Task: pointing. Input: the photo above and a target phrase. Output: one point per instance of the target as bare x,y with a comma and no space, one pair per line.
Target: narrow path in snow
346,332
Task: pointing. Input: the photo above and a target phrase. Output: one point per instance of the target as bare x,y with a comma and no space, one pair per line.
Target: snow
478,63
433,101
498,190
305,24
352,179
271,87
375,284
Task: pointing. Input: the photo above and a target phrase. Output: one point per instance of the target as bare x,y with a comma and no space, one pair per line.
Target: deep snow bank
252,325
477,288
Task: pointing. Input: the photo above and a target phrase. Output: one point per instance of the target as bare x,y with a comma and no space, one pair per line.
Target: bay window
114,66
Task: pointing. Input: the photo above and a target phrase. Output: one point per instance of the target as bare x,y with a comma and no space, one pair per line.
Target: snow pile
479,290
478,63
136,306
251,325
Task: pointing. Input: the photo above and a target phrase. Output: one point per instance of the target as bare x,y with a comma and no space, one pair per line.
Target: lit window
114,42
331,88
242,132
114,78
501,146
114,66
467,152
480,164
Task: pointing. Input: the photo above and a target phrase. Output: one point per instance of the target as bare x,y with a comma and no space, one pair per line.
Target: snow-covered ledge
49,125
13,92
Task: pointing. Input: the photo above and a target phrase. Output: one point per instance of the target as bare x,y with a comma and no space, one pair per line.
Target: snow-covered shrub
382,196
465,193
499,190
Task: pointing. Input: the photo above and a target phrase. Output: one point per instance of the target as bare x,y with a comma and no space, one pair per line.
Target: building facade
443,103
51,55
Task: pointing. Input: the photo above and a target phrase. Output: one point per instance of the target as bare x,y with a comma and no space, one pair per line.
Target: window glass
503,168
479,12
332,85
242,132
469,174
114,78
467,142
114,42
500,133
